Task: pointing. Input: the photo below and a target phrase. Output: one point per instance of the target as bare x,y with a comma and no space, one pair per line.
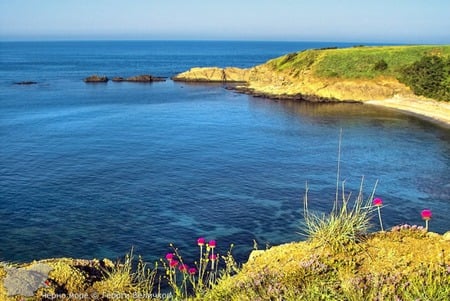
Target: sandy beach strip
431,110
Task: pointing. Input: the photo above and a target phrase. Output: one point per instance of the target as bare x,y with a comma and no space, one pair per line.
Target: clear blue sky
402,21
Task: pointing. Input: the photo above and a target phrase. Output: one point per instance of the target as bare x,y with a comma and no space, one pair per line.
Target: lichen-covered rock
26,281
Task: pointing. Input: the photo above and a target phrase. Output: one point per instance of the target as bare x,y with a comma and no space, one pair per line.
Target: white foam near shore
431,110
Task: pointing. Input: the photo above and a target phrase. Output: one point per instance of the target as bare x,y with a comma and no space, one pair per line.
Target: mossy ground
404,264
407,264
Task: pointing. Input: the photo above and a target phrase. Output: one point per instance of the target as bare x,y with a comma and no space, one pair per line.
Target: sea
95,170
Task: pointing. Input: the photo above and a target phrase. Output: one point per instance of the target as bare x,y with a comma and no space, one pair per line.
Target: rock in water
118,79
96,79
144,78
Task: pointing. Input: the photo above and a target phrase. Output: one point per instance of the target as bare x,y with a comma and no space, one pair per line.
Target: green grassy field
356,62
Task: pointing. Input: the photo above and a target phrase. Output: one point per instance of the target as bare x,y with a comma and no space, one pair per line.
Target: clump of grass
125,278
347,224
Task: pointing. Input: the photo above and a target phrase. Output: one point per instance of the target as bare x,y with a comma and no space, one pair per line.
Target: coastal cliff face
357,74
264,80
213,74
273,82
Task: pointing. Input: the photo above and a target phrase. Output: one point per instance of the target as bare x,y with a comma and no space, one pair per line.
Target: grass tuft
346,225
125,278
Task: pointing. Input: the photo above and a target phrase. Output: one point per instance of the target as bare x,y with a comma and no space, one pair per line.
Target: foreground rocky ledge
401,252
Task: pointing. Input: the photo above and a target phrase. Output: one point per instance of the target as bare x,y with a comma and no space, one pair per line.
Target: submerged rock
96,79
26,83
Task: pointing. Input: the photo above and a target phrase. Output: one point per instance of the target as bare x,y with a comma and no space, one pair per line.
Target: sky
391,21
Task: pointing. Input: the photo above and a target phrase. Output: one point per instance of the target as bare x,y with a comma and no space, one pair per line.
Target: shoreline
437,112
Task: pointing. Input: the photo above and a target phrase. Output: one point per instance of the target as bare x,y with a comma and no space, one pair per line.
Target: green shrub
381,65
429,77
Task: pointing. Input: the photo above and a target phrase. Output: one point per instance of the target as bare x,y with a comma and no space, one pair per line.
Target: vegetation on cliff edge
425,69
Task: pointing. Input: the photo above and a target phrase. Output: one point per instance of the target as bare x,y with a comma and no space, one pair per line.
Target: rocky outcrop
264,81
96,79
214,74
145,78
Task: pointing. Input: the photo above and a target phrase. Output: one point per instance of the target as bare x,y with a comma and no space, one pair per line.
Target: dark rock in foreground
145,78
96,79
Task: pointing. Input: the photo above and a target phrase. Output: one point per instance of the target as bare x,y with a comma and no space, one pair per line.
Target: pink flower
426,214
183,268
192,271
173,263
213,257
377,202
201,241
212,244
169,256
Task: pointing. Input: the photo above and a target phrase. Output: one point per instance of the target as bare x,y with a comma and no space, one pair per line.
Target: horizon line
356,42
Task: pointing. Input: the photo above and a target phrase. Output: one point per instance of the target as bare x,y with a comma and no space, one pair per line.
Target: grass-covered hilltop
405,77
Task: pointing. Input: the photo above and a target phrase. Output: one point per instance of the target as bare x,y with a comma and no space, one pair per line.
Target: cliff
213,74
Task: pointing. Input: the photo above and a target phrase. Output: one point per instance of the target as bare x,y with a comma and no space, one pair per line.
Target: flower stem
201,259
426,225
379,217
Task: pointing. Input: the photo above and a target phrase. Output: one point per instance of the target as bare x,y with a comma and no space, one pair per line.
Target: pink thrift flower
426,214
192,271
173,263
377,202
213,257
212,244
169,256
183,268
201,241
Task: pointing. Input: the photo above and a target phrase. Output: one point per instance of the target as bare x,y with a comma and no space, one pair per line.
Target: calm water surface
92,170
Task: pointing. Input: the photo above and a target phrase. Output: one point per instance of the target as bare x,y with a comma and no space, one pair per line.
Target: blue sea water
90,170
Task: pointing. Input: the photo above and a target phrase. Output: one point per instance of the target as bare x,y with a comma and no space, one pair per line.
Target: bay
93,170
